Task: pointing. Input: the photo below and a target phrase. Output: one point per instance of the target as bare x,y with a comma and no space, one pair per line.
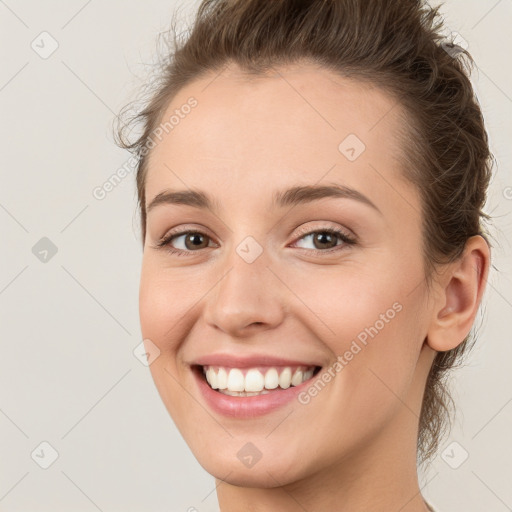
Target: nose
248,298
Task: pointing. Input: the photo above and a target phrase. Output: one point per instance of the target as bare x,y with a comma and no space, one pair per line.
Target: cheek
373,323
345,303
164,312
153,301
165,305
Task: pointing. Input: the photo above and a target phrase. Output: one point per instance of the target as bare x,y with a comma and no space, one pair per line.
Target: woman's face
272,279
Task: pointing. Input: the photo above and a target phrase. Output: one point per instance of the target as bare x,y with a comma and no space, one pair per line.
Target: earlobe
461,290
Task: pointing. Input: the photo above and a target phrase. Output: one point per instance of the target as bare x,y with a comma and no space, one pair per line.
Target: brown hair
394,44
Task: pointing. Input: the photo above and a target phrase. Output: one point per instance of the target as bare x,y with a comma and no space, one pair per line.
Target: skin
353,446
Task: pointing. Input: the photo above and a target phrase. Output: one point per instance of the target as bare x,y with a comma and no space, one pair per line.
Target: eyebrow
289,197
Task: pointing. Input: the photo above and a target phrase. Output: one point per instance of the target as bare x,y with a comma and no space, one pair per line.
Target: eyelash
165,242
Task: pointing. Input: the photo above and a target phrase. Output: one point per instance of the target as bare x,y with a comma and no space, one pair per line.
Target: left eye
326,239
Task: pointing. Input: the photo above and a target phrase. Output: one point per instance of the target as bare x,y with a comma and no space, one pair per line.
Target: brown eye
324,240
185,242
196,241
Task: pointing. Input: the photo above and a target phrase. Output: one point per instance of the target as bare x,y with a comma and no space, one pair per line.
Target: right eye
188,241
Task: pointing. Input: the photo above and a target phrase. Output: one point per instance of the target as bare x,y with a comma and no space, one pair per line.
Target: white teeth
211,377
285,379
297,378
232,381
222,379
254,381
271,379
236,380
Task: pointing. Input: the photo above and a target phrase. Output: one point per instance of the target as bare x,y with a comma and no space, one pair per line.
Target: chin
263,474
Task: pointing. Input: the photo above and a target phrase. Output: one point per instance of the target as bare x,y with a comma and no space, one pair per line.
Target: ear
461,288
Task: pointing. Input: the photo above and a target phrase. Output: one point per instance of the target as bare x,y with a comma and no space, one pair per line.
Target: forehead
297,123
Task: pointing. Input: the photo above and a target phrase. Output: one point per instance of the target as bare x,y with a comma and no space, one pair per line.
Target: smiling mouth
259,380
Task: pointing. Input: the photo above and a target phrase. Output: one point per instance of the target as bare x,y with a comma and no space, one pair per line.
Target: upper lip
238,361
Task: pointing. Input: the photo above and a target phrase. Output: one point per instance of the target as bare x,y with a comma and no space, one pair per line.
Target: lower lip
247,406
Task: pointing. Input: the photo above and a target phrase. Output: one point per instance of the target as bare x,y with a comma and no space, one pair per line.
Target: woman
311,178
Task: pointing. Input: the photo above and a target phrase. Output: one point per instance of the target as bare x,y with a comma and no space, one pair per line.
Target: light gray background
68,375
